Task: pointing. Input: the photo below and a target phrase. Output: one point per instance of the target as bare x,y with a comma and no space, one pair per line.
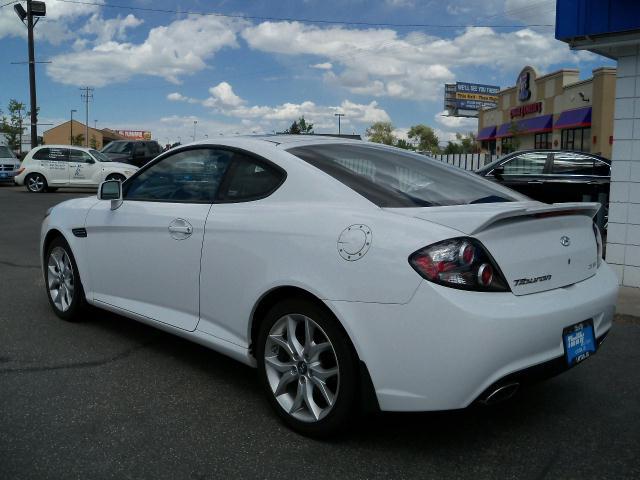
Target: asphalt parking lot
111,398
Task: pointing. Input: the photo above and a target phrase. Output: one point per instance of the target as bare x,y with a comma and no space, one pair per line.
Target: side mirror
111,190
498,172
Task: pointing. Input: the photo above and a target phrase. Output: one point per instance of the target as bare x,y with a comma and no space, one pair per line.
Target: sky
243,67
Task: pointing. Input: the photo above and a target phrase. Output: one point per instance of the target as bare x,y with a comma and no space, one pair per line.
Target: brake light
596,232
461,263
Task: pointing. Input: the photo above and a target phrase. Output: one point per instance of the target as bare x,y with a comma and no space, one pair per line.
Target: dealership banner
135,134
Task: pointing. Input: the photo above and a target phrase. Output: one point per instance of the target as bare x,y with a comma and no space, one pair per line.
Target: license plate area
579,342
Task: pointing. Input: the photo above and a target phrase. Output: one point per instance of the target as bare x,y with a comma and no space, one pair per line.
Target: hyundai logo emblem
565,241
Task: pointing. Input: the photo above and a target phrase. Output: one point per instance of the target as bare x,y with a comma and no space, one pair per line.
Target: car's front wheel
307,367
64,288
36,183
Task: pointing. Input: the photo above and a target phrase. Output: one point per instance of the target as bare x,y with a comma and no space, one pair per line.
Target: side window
567,163
152,149
526,164
80,157
250,179
52,153
187,176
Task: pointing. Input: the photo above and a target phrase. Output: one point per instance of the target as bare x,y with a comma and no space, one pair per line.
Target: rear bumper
445,347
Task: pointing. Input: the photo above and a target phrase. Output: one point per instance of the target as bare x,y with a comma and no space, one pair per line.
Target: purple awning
487,133
580,117
543,123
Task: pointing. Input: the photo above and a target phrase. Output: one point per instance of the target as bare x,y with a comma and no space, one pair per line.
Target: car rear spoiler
588,209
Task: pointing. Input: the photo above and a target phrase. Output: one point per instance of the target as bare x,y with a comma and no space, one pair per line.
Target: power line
292,19
9,3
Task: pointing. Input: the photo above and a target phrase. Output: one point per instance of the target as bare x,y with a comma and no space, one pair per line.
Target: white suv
50,167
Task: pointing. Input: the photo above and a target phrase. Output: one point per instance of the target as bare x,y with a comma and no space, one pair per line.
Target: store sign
524,86
135,134
524,110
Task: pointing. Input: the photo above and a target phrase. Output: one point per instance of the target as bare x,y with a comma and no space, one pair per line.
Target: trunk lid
537,246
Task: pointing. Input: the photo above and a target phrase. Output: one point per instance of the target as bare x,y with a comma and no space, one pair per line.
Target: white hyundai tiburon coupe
352,275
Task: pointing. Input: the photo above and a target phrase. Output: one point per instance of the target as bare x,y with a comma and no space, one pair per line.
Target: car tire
116,176
35,183
311,385
62,281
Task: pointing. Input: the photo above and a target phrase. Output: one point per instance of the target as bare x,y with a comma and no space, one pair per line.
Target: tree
452,148
13,126
78,140
93,142
468,142
426,138
381,132
402,143
300,127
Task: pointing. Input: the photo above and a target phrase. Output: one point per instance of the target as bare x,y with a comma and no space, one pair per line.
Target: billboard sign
465,99
135,134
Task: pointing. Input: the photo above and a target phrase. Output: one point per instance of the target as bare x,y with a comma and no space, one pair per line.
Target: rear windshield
392,178
6,152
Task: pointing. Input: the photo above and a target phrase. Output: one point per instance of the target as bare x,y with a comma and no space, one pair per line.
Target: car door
82,168
232,268
53,162
576,177
526,173
145,256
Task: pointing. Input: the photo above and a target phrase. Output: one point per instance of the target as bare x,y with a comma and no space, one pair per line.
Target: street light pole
32,78
71,127
339,115
195,122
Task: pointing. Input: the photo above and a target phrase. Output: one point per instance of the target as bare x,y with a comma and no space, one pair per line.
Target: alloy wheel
302,368
60,279
35,183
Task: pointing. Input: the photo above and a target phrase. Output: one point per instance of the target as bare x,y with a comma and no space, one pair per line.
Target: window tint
250,179
526,164
391,178
52,153
186,176
79,156
153,149
567,163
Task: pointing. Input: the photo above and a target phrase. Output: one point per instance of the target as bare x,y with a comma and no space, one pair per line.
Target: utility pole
71,127
95,124
86,96
338,115
34,9
195,122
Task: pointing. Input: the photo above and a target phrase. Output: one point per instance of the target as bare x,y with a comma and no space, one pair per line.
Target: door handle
175,229
180,229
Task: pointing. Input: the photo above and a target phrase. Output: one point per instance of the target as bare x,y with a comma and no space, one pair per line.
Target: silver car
9,164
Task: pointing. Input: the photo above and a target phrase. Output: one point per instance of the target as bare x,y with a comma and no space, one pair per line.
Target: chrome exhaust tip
500,394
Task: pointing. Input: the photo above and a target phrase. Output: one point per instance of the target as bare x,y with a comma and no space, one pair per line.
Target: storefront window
542,141
506,145
578,139
489,145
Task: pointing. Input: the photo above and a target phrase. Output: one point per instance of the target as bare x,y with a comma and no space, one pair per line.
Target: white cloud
111,29
180,48
382,62
225,101
322,66
54,29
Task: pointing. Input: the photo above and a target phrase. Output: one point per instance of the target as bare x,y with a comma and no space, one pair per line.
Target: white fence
467,161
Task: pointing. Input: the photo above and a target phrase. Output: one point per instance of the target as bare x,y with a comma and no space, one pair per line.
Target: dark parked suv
135,152
552,175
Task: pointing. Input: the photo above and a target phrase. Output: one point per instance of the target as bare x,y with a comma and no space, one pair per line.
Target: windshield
117,147
392,178
6,152
101,157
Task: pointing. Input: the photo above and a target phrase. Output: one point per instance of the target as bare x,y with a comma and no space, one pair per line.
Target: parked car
9,164
352,275
135,152
49,167
552,176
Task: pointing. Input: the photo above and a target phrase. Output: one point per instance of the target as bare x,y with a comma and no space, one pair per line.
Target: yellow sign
476,96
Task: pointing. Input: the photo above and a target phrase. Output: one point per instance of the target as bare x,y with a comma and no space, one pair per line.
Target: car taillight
459,263
596,232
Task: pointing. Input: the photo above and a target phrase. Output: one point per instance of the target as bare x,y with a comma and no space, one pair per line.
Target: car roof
277,140
75,147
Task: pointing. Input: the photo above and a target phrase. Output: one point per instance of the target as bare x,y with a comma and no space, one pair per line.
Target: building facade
62,135
612,28
557,111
